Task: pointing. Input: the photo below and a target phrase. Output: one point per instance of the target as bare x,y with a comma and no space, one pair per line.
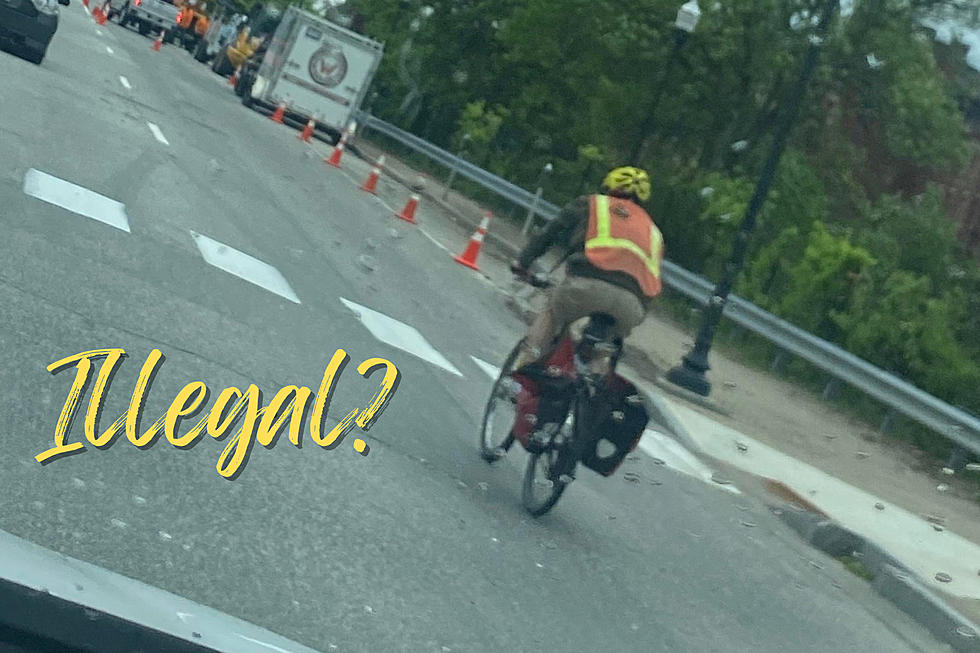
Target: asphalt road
418,546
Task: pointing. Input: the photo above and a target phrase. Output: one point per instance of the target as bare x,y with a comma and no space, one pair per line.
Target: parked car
30,24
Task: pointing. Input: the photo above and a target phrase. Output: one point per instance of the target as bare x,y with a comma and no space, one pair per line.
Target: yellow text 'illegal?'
261,424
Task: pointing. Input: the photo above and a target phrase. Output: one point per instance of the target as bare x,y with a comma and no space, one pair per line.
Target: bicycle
557,445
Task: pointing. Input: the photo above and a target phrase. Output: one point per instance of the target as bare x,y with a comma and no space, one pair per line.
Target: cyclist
612,251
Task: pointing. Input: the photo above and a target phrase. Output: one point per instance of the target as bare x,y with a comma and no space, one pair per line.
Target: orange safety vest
623,238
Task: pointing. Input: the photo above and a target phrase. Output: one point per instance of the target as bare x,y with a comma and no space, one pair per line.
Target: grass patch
856,567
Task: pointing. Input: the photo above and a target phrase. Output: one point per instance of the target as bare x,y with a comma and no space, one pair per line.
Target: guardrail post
537,200
958,458
830,390
887,422
455,167
778,362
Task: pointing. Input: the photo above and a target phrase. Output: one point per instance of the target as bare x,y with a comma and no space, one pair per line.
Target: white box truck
321,70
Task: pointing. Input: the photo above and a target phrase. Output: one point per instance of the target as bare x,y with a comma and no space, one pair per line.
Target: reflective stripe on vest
603,238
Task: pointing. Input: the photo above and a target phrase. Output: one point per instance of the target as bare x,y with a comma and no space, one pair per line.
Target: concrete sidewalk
914,562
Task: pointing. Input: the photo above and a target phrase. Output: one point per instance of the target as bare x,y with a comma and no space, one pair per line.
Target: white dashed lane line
76,199
244,266
157,134
399,335
109,50
125,82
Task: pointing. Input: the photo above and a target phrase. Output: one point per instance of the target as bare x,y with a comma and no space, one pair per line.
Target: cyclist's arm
559,230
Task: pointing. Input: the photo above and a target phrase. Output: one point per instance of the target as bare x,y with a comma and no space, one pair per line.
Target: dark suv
30,24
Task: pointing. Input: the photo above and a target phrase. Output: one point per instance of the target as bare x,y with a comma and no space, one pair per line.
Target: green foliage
853,243
900,325
915,235
822,282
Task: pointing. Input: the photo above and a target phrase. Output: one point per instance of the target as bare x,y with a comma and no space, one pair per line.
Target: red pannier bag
618,414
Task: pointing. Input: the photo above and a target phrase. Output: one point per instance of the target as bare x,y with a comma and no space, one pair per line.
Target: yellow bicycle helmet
630,180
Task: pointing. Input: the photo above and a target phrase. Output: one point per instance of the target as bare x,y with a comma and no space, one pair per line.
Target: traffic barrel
278,114
99,13
85,3
307,132
158,43
468,257
371,183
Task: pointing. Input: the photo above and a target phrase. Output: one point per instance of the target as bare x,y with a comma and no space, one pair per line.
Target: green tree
822,282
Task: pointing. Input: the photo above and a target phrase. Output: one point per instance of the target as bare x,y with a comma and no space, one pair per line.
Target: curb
891,580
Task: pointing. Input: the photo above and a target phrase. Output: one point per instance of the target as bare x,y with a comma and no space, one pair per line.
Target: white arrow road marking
400,335
157,134
244,266
76,199
675,456
491,370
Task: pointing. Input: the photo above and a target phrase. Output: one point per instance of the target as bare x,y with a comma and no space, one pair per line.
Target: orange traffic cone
233,80
408,213
468,257
307,132
158,42
85,3
338,151
278,114
371,183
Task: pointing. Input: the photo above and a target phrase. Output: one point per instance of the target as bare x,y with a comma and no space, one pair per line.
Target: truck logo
328,65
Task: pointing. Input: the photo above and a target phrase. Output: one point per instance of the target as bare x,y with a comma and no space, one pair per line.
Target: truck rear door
323,74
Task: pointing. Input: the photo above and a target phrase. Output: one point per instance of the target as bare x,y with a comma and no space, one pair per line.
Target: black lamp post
687,19
691,373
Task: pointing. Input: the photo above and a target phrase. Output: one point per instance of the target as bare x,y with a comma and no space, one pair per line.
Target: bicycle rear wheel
542,487
498,417
543,484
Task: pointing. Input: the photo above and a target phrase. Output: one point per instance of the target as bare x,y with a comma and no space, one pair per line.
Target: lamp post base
691,375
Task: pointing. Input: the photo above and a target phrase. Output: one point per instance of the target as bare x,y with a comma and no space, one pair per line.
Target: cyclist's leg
538,338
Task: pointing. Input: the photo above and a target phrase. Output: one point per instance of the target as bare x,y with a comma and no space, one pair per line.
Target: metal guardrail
956,425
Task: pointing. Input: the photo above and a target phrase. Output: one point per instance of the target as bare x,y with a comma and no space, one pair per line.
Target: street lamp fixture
687,20
688,16
691,373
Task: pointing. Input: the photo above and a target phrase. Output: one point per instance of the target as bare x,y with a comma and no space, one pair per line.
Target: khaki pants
578,297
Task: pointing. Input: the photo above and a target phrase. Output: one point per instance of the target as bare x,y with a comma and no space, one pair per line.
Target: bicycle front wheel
498,418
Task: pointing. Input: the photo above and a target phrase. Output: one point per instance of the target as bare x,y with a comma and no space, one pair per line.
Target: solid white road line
400,335
109,50
98,31
244,266
125,82
76,199
157,134
86,10
491,370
